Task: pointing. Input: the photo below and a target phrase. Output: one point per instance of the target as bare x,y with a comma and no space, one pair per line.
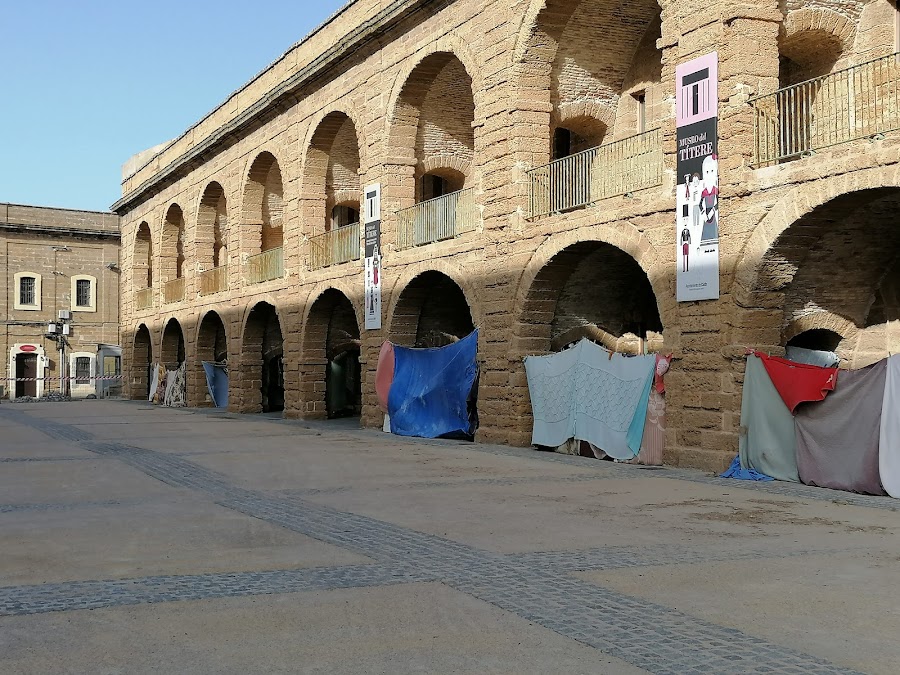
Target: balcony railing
143,299
617,168
265,266
437,219
173,291
335,247
858,102
214,280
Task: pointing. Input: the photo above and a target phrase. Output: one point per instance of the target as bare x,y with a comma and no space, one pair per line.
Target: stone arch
261,378
431,310
792,281
142,257
813,40
172,251
331,355
172,346
621,235
797,203
331,171
262,211
433,115
557,303
141,363
211,345
211,237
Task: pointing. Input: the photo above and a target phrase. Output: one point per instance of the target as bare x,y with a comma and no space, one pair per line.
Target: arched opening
141,364
432,123
855,233
171,355
432,311
331,181
263,209
143,258
262,361
212,228
331,350
212,348
564,303
817,339
172,262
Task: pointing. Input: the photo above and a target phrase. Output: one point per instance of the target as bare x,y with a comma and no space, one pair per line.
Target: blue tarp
217,382
735,471
431,388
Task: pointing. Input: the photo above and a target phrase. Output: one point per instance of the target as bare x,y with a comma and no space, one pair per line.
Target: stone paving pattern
668,519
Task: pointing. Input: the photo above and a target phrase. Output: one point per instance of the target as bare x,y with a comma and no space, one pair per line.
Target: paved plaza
136,539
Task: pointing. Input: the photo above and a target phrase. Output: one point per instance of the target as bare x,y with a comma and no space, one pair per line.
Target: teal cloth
768,440
635,435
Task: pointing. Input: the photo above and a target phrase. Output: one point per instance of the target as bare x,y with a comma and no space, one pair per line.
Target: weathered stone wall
478,87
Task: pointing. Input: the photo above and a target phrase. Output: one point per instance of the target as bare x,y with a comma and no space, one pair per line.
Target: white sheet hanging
889,439
154,382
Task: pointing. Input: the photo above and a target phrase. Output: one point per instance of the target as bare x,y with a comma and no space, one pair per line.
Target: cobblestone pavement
481,520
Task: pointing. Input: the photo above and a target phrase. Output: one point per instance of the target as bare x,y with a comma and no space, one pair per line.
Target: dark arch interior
820,339
172,354
597,291
332,322
143,362
212,343
263,350
432,312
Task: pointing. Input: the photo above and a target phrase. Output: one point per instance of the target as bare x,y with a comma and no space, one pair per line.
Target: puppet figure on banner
697,192
372,222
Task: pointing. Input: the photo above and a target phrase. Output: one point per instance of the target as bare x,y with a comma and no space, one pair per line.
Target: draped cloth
798,382
154,383
591,394
768,441
889,435
838,439
216,383
176,388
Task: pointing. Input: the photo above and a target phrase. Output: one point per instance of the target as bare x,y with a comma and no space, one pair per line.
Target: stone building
526,153
59,261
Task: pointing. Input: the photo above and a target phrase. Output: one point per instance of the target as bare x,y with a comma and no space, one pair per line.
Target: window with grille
83,293
27,287
82,370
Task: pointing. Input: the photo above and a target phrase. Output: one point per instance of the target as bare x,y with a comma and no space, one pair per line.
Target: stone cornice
61,231
372,29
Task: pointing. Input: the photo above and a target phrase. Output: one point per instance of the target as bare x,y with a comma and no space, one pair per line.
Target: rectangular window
26,291
83,293
82,370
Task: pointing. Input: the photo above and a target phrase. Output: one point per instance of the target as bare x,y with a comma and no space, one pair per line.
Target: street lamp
59,331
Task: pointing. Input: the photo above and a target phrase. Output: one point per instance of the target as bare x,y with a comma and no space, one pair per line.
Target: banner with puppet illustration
697,191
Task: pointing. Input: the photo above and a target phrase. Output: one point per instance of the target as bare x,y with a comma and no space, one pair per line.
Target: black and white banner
697,191
372,225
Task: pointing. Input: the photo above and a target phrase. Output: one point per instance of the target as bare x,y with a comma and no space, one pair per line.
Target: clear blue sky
85,85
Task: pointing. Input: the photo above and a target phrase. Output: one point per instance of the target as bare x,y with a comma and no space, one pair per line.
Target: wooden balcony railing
437,219
858,102
143,299
265,266
335,247
173,291
214,280
617,168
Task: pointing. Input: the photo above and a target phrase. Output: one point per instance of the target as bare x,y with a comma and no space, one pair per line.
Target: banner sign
372,225
697,190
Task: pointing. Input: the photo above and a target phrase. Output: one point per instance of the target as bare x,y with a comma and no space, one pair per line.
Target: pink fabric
384,375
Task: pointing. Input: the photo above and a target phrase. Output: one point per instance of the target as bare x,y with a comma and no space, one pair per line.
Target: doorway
26,375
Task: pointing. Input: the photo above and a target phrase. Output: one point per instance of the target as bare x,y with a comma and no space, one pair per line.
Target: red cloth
798,382
384,375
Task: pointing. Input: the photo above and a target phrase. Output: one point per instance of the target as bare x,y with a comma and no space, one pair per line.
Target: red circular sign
28,348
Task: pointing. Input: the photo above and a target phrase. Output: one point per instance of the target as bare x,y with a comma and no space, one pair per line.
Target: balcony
143,299
173,291
617,168
214,280
335,247
858,102
265,266
437,219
